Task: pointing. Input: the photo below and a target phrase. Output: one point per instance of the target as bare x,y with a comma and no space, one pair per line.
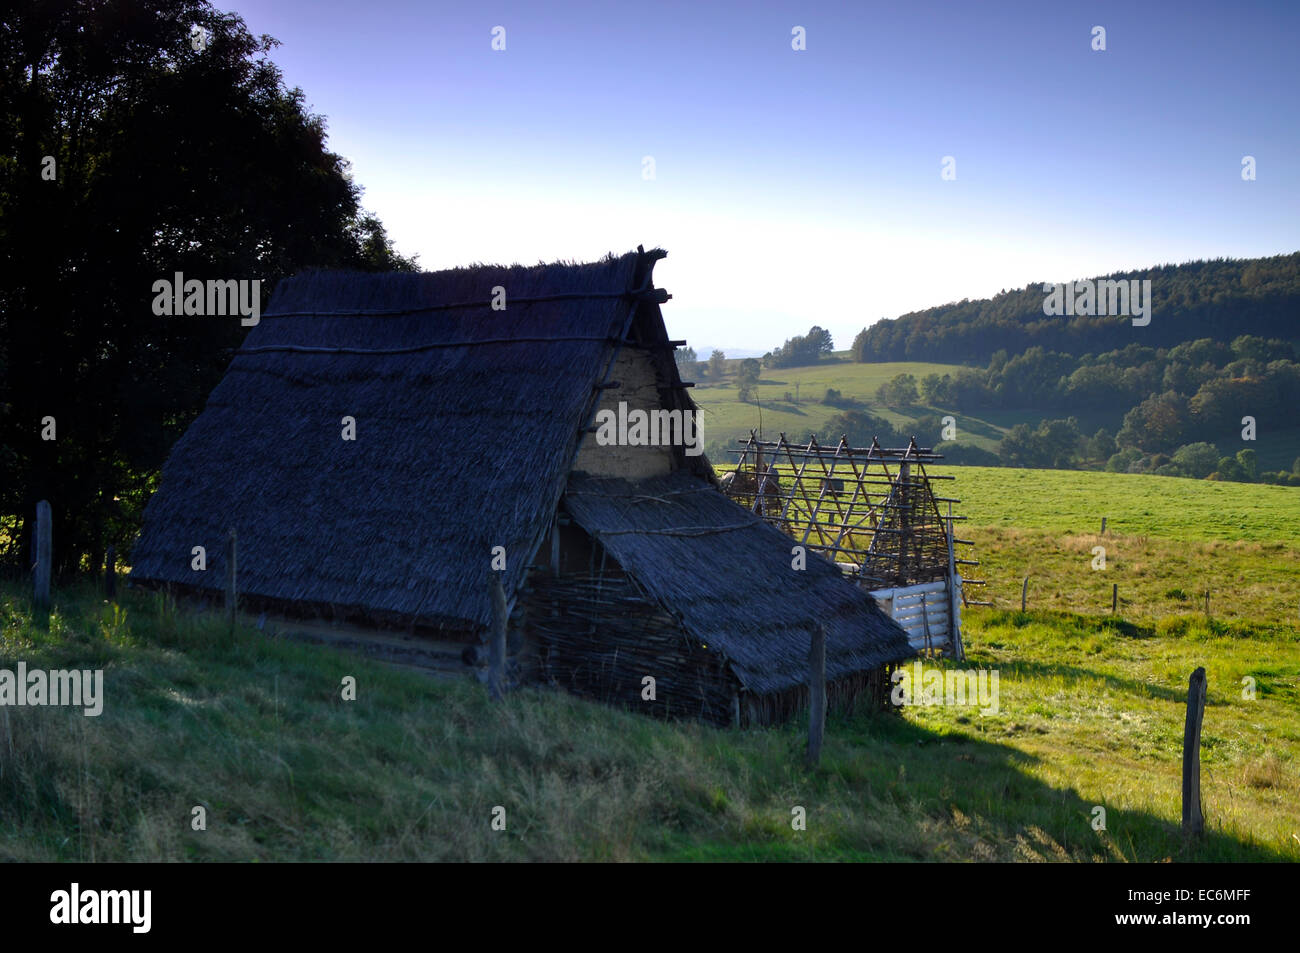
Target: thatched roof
467,421
726,574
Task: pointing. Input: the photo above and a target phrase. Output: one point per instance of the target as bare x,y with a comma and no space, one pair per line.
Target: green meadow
1168,542
1090,715
726,419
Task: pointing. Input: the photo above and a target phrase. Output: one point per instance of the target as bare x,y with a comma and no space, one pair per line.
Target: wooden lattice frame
870,509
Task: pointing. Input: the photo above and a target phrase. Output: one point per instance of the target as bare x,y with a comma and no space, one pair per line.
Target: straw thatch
467,419
728,576
469,422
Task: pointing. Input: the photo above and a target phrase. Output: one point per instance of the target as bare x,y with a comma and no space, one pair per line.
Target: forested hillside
1206,388
1219,299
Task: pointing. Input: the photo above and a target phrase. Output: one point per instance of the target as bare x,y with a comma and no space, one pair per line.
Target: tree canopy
1218,299
134,147
802,350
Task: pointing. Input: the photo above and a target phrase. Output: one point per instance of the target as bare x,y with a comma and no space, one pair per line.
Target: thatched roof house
472,440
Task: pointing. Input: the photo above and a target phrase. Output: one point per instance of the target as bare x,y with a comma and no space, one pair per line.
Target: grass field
1167,541
1090,714
1071,501
725,419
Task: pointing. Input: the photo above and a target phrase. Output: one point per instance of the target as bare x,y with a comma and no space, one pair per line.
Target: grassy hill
1091,710
726,419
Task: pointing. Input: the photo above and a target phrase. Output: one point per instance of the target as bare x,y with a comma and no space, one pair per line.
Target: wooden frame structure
871,510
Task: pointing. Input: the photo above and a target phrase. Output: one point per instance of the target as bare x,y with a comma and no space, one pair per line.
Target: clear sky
794,188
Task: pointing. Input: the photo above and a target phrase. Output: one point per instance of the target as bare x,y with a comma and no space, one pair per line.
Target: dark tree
129,155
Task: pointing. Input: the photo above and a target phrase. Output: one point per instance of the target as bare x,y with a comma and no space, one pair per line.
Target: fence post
1103,526
816,693
1024,594
954,597
110,573
497,643
232,590
1114,597
41,569
1193,821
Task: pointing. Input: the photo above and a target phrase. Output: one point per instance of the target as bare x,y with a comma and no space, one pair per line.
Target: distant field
1072,501
725,418
1167,541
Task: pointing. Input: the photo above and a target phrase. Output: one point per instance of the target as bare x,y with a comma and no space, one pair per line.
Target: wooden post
1103,526
954,598
1114,597
1193,821
903,497
816,693
110,573
1024,594
497,641
41,568
232,590
1207,603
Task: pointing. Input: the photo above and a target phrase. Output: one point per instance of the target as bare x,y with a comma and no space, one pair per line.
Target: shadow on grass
1117,683
986,792
1069,624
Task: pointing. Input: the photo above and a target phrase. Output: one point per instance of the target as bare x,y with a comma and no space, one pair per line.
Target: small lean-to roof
727,576
467,421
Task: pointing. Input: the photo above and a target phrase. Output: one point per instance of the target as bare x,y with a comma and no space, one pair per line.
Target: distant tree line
1217,377
1219,299
1173,404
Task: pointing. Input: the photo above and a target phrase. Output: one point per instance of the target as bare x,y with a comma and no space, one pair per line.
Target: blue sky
794,188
